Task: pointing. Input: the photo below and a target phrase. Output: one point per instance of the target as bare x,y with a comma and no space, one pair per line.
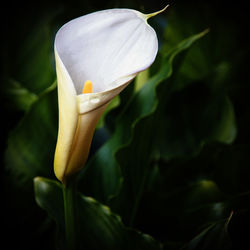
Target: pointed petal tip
147,16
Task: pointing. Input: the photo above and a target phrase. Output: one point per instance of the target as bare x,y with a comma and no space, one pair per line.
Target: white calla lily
108,48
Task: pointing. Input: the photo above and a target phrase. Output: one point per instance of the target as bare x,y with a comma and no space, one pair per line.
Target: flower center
88,87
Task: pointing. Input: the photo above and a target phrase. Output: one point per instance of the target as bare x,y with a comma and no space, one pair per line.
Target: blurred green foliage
100,227
170,158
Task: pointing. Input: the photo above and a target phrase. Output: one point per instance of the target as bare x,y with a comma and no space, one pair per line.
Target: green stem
69,195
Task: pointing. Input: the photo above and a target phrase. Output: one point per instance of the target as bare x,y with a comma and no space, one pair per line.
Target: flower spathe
108,48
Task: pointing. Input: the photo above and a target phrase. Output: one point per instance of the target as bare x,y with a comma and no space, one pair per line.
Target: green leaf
191,118
18,97
31,144
213,237
99,228
103,177
33,65
225,131
49,195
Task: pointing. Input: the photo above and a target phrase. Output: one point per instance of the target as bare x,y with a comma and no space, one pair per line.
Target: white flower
105,50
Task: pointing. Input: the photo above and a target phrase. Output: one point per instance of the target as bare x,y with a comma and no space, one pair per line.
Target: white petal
68,118
82,141
89,102
106,46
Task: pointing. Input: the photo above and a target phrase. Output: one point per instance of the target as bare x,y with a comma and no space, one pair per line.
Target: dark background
18,18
